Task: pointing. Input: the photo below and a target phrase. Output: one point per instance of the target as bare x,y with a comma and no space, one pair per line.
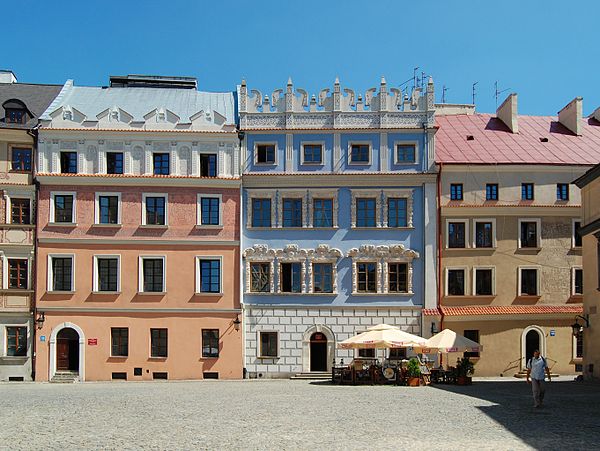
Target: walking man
536,371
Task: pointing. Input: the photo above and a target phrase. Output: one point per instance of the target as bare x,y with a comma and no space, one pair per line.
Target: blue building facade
338,220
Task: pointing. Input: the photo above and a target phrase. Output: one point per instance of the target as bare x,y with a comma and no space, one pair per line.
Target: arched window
15,112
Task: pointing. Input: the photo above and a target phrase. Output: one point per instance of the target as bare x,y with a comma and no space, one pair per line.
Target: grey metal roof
35,97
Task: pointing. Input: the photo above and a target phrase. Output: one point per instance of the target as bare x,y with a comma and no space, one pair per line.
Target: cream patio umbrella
383,336
449,341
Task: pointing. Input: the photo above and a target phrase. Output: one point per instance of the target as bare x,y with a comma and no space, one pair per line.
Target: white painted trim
146,195
406,143
6,268
474,232
265,143
198,276
259,344
5,341
49,285
398,194
141,259
199,209
447,234
95,280
538,232
574,269
9,194
542,335
97,208
360,163
465,278
538,276
573,221
52,206
53,336
313,143
164,242
474,280
325,330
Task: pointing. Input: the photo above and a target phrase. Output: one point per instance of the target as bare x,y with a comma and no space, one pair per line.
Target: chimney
507,113
7,76
596,114
571,115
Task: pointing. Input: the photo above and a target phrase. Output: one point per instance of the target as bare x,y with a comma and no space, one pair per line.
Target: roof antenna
415,77
474,94
444,89
497,93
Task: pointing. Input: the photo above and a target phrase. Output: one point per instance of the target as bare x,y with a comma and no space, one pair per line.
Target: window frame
365,261
465,271
23,115
144,214
50,273
260,354
474,280
523,187
369,144
472,354
487,185
96,273
198,272
538,233
6,273
211,356
20,147
474,232
271,265
154,154
573,234
301,281
454,187
166,344
559,192
208,154
415,144
122,162
120,356
9,209
97,212
27,338
395,262
251,195
303,161
313,273
141,259
61,152
292,196
463,221
538,277
265,143
574,270
199,198
53,195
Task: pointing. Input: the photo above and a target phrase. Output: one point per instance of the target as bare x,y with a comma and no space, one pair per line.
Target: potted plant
413,373
464,371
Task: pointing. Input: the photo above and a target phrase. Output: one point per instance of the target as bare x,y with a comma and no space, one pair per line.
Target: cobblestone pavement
293,415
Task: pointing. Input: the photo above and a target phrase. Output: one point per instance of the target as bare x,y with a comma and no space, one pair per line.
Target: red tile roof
504,310
494,143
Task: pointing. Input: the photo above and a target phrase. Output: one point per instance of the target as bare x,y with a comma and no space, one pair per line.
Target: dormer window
15,112
67,115
161,116
114,115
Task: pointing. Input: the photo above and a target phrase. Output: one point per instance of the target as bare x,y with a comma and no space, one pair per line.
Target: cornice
136,180
511,168
337,179
137,242
511,210
138,135
43,308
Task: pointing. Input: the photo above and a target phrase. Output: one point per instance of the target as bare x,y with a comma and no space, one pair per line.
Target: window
457,234
397,354
367,277
484,281
366,353
210,275
491,191
529,282
155,209
578,345
312,154
323,277
210,343
290,277
268,344
21,159
456,191
158,342
527,191
292,212
153,274
108,209
577,281
360,154
405,153
61,274
366,212
107,270
161,163
16,341
577,239
261,212
562,191
529,234
322,212
260,277
208,165
20,210
114,162
15,116
397,214
455,282
63,208
119,341
484,234
18,276
210,210
471,335
598,261
68,162
265,153
398,278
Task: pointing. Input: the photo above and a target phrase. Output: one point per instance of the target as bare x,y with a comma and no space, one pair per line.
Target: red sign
92,342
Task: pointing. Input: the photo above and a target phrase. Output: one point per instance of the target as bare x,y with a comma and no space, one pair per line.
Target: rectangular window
291,274
322,212
119,341
155,210
323,277
366,353
17,273
292,212
208,165
108,274
529,285
68,162
268,344
114,162
405,153
62,274
456,282
529,234
366,212
484,282
313,153
153,275
398,275
20,211
471,335
579,345
456,235
210,275
397,354
456,191
484,234
161,163
397,213
577,240
367,277
578,281
359,153
63,208
260,277
209,210
265,153
562,191
20,159
491,191
527,191
15,116
108,209
210,343
158,342
261,212
16,341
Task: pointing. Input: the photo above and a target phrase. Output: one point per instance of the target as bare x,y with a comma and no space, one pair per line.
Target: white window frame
6,272
466,280
398,194
144,197
447,233
538,233
199,211
360,163
9,195
312,143
538,277
574,269
97,209
474,232
95,281
265,143
53,194
474,280
259,344
406,143
49,284
141,259
573,221
271,264
198,278
5,341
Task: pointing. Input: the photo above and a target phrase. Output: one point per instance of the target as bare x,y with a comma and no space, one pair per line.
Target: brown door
62,354
318,352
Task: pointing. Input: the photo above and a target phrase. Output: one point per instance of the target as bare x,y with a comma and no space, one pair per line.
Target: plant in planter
413,372
464,371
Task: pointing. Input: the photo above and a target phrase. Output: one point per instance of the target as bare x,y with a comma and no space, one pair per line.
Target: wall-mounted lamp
39,322
578,328
433,328
241,135
236,323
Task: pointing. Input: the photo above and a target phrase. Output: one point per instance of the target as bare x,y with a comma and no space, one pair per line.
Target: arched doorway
67,350
318,352
532,338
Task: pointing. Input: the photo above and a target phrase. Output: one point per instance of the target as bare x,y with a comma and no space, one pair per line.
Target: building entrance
318,352
532,342
67,350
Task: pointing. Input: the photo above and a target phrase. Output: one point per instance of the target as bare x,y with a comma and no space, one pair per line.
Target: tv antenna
444,89
497,93
474,93
415,77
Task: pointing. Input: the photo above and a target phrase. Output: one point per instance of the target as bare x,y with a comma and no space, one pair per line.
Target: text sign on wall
92,342
42,338
552,332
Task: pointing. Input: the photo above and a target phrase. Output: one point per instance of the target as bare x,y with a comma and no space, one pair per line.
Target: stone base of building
15,368
307,337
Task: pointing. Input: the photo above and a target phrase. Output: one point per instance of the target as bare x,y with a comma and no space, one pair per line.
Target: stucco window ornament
260,253
395,194
323,254
261,194
282,195
366,194
322,194
291,254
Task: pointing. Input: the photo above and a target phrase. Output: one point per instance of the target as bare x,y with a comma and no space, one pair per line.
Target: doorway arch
532,338
75,338
323,343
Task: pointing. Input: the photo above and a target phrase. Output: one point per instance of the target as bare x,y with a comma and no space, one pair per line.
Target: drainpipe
439,246
33,270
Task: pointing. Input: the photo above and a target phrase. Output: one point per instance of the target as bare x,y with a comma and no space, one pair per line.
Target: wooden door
62,354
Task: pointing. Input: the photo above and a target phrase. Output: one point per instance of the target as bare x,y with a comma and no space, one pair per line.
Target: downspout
439,246
33,271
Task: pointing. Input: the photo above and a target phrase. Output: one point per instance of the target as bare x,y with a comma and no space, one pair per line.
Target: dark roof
588,177
35,97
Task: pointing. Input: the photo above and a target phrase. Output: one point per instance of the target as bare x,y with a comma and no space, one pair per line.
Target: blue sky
546,50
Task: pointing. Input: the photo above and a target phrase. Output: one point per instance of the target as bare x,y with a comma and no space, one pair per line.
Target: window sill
60,292
273,357
120,357
260,293
262,228
107,226
20,171
472,248
576,248
62,224
359,163
16,225
157,359
265,164
214,295
14,359
377,227
382,294
312,164
154,226
530,297
529,249
323,228
209,226
106,292
151,293
209,358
